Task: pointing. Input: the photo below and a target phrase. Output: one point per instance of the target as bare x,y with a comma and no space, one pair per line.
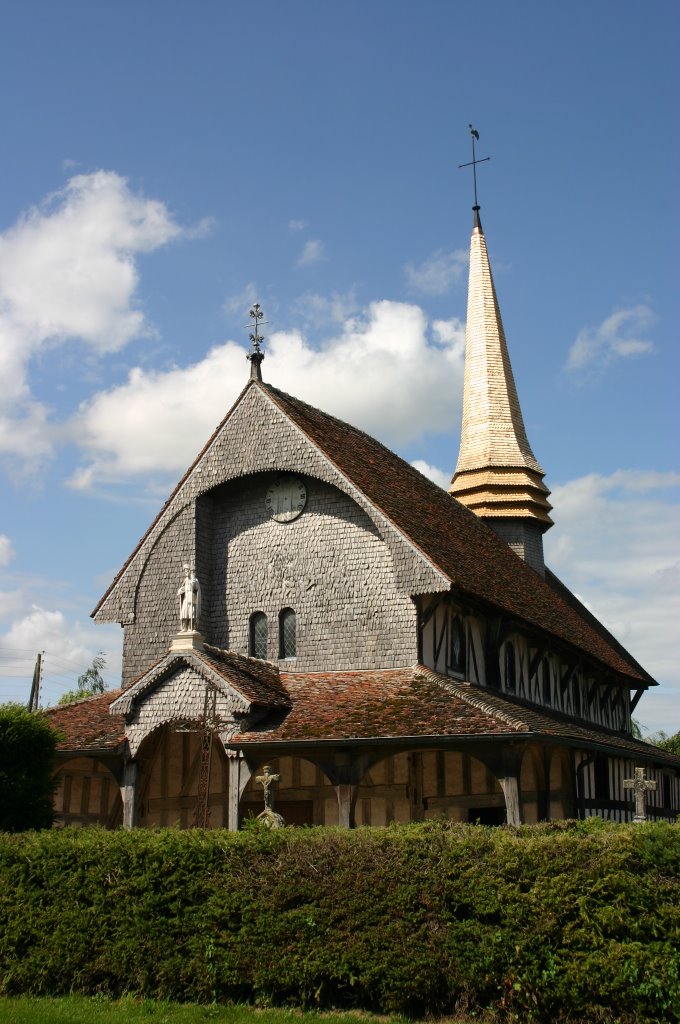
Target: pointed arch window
457,660
258,636
287,633
510,670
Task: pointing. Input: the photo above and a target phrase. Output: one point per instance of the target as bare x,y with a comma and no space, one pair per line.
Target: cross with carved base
640,785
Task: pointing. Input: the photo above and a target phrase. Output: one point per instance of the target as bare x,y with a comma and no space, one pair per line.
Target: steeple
497,475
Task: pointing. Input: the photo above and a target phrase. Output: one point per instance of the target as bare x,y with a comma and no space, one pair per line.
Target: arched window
287,627
545,682
257,641
457,647
510,674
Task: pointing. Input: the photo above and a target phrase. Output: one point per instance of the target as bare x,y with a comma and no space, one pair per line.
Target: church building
307,601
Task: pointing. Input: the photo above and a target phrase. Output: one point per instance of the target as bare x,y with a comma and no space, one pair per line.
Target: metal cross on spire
256,356
473,163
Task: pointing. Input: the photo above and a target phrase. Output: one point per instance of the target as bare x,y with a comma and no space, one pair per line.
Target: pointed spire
497,476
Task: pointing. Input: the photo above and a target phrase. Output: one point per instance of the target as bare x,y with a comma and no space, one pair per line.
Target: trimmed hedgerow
561,922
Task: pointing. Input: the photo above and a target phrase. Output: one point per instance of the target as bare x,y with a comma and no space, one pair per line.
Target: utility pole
34,699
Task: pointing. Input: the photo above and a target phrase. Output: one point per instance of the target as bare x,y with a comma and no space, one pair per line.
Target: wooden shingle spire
497,476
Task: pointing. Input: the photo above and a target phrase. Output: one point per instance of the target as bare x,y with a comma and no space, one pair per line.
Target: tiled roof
382,704
259,681
87,724
474,558
374,704
419,703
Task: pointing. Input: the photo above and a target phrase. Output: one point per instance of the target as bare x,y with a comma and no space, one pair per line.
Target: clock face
286,499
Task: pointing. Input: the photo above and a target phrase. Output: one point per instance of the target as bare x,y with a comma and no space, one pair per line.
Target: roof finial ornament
473,164
256,356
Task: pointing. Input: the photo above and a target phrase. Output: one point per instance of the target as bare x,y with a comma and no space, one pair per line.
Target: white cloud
321,310
381,371
620,336
438,476
68,271
313,251
69,647
438,273
240,302
6,549
297,225
616,542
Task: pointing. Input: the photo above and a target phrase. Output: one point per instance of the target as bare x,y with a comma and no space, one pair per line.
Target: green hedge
568,921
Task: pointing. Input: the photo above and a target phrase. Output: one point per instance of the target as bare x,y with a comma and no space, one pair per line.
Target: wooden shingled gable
250,682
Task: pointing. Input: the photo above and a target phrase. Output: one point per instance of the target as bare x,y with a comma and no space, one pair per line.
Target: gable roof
464,548
452,539
257,682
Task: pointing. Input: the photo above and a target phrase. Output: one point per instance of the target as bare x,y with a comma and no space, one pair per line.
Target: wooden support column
239,775
128,792
345,794
510,786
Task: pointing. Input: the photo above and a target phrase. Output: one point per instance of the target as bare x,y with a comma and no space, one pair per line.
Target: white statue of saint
189,599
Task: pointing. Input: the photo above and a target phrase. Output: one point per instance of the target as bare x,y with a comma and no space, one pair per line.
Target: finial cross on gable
640,785
474,134
256,356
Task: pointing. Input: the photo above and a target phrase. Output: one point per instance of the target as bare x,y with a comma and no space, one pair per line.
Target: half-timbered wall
451,640
167,788
601,793
86,794
546,679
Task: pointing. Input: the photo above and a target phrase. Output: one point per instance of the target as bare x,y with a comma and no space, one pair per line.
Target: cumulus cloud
297,225
620,336
322,310
313,251
383,371
68,645
240,302
437,476
616,542
6,549
68,271
438,273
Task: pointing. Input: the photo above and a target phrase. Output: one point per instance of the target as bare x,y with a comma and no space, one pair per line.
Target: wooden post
510,789
239,774
345,792
128,792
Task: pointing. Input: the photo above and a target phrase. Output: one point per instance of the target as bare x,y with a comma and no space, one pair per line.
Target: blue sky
164,164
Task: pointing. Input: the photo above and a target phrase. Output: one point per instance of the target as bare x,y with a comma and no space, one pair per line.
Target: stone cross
266,780
640,785
268,816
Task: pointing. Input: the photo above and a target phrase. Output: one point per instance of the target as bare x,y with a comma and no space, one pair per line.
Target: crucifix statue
640,785
269,817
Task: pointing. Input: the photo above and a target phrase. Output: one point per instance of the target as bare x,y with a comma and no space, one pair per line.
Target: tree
90,683
665,742
27,757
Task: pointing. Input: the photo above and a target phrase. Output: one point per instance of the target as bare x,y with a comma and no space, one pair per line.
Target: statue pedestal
187,640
